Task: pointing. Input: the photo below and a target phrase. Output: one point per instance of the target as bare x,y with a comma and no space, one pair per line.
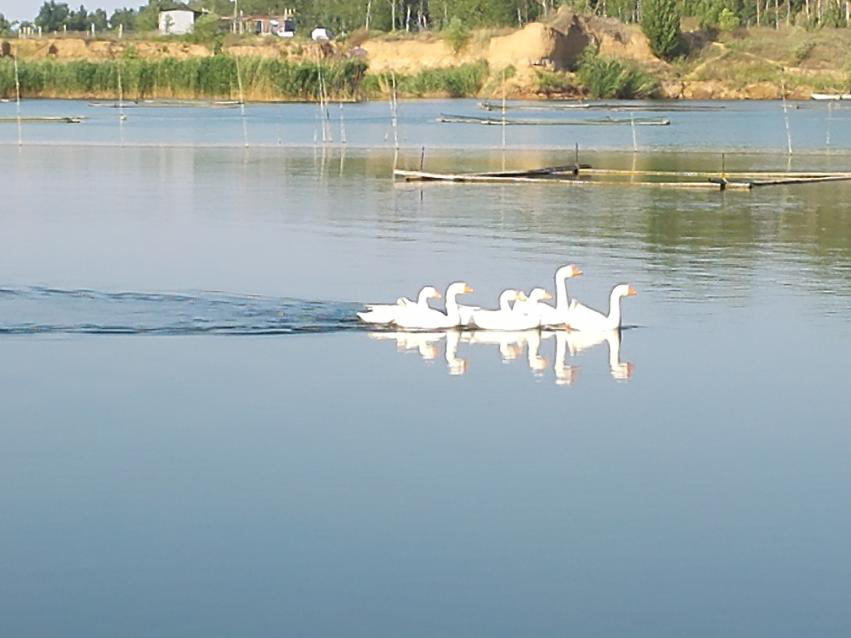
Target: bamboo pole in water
733,174
121,116
503,108
241,103
394,113
786,119
634,138
18,101
829,114
417,176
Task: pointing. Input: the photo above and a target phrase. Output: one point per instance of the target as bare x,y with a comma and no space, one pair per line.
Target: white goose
530,305
387,313
560,315
507,317
587,319
416,317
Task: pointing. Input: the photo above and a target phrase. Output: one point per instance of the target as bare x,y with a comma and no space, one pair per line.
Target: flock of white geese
517,310
521,322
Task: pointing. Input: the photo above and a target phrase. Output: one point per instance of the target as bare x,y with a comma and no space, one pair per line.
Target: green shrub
660,21
457,34
728,20
802,51
549,82
206,29
609,78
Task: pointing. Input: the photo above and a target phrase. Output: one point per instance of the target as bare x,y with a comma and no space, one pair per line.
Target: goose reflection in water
511,346
426,344
578,342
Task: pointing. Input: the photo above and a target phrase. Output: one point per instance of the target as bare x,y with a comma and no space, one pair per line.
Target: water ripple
41,310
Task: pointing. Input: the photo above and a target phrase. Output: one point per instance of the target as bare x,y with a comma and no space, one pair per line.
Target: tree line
419,15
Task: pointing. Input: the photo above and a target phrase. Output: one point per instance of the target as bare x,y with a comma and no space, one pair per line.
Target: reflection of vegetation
697,242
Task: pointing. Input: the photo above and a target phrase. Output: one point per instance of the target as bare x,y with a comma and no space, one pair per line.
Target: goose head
566,272
623,290
458,288
539,294
509,295
431,292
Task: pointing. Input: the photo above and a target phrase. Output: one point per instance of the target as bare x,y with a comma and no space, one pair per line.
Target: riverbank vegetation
664,48
211,77
465,80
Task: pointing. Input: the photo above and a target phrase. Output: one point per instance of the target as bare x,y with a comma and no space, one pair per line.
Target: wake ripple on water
37,310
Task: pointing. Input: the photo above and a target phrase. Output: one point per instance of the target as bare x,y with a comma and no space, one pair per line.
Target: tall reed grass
465,80
212,77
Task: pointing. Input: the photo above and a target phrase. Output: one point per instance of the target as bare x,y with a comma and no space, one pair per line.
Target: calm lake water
756,125
197,440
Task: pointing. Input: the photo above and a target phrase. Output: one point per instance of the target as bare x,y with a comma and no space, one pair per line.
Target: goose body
419,318
560,314
507,317
531,307
587,319
387,313
466,314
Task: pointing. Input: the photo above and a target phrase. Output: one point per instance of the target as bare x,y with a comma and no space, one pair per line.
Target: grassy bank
465,80
207,77
263,79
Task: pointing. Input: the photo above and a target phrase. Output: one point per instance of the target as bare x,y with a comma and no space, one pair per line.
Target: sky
28,9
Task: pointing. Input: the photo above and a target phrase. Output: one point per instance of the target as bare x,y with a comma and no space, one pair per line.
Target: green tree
727,20
206,29
5,26
124,17
147,18
457,34
78,20
52,16
660,21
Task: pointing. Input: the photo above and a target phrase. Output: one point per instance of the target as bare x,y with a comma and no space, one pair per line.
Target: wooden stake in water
503,107
18,100
634,137
121,116
786,119
342,126
321,90
394,110
829,116
326,111
241,103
